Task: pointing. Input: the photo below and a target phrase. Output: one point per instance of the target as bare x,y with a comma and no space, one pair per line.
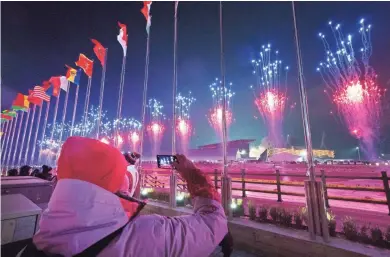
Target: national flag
85,64
46,85
55,86
122,37
100,51
73,75
39,92
5,117
33,99
9,113
20,103
146,12
64,83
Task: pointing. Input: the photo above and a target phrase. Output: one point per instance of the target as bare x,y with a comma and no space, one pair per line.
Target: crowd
46,172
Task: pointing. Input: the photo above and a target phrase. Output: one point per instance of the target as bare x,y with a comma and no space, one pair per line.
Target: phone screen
165,161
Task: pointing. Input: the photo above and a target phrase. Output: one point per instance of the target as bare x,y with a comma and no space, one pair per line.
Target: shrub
298,219
285,218
304,215
238,211
350,229
376,236
387,235
364,234
252,211
274,213
263,214
332,227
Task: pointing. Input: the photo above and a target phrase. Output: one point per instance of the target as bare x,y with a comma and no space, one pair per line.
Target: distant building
235,148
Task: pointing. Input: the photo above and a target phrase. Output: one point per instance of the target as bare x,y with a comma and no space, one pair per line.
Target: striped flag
40,93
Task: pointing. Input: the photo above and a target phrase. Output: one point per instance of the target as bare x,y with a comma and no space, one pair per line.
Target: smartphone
165,161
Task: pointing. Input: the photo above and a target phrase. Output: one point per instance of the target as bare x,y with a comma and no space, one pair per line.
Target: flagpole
36,135
86,103
173,179
144,103
11,140
64,112
23,137
74,109
5,133
101,94
29,134
43,131
55,115
119,107
17,140
4,148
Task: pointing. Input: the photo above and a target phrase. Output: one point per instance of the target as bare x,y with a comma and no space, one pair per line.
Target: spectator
25,170
45,173
35,172
86,207
13,172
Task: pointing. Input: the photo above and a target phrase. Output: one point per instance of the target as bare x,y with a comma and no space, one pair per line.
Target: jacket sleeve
195,235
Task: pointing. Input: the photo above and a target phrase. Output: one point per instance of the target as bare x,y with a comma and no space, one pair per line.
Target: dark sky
39,38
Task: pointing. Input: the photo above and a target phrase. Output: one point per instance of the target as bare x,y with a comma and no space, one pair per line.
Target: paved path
236,253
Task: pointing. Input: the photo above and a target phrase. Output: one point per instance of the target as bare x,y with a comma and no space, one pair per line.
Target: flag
85,64
5,117
146,12
33,99
55,86
64,83
73,75
9,113
39,92
1,133
122,37
20,103
100,51
46,85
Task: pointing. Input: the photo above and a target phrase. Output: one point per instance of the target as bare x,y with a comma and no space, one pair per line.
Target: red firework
215,118
134,139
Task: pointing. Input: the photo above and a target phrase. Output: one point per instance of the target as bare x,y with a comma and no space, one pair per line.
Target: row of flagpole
14,119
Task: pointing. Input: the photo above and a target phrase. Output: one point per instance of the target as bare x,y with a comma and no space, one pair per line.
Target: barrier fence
154,181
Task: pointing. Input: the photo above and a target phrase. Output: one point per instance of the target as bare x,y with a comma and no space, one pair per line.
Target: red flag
45,85
146,12
85,64
99,50
33,99
122,37
55,85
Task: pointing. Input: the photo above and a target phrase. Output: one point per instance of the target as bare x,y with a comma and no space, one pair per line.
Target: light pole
358,150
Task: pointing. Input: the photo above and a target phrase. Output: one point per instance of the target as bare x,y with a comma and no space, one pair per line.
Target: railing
242,178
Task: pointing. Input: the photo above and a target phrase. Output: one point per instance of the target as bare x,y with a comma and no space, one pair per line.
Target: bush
304,215
274,213
350,229
285,218
376,236
298,219
332,227
387,235
252,211
364,234
263,214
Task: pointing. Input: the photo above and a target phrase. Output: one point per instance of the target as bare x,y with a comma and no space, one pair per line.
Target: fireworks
270,93
183,126
353,85
155,128
215,114
126,127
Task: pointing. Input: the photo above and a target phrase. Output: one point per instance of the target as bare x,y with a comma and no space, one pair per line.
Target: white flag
64,83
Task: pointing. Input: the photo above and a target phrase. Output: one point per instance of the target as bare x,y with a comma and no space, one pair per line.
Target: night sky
39,38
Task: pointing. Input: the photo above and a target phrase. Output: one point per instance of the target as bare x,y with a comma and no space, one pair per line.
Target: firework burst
270,92
215,113
127,128
352,84
156,127
183,124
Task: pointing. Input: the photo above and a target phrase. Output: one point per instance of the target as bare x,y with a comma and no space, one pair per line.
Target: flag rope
101,95
17,140
43,132
32,159
11,141
23,137
29,135
76,97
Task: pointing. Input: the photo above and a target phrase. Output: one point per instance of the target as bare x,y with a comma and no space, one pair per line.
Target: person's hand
183,165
